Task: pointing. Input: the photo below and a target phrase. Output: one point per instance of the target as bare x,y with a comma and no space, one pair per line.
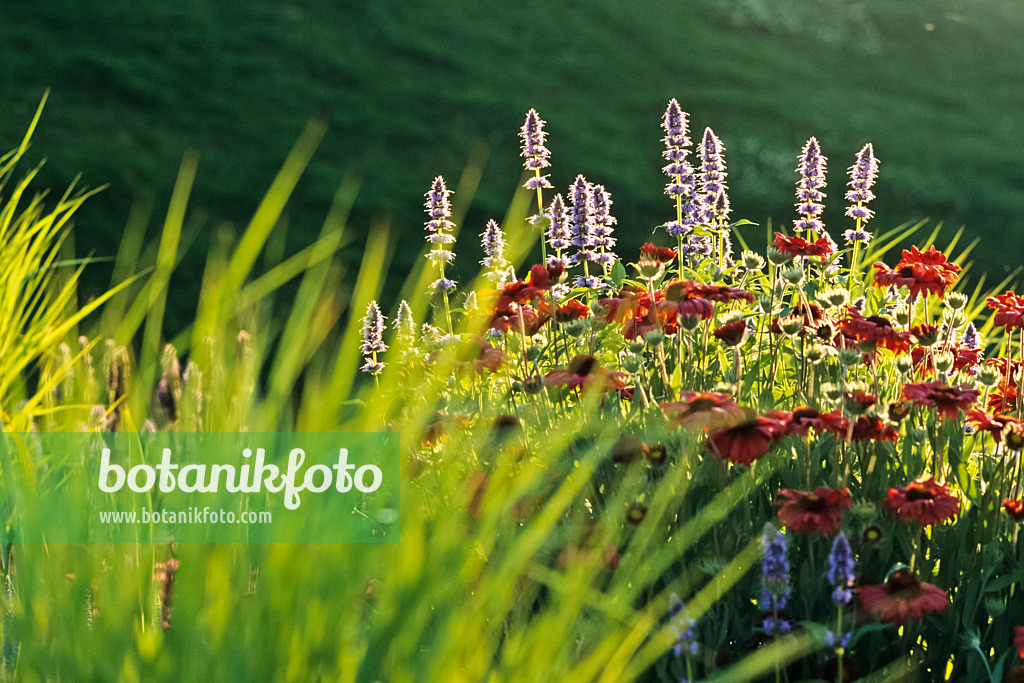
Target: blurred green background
412,90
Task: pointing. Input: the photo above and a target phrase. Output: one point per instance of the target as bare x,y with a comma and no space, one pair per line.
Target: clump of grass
591,451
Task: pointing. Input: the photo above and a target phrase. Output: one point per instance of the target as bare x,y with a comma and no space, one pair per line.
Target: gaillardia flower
819,510
926,502
903,597
920,271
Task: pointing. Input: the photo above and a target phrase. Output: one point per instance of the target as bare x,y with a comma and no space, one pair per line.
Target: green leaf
618,274
742,221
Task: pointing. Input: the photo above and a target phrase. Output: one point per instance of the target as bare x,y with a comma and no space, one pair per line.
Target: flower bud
957,301
533,353
794,275
654,338
752,261
848,357
777,257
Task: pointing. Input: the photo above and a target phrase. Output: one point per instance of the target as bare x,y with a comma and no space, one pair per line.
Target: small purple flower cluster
862,177
439,227
373,339
775,581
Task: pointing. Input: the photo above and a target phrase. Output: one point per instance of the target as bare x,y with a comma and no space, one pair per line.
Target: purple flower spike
373,339
809,189
604,222
712,174
971,339
493,240
558,231
862,177
534,151
682,181
581,219
841,566
686,643
774,571
439,210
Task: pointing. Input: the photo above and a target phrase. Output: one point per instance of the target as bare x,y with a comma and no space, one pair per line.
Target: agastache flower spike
712,177
809,189
682,180
603,226
683,627
775,578
493,240
862,177
971,340
581,227
373,339
558,230
841,566
439,227
536,154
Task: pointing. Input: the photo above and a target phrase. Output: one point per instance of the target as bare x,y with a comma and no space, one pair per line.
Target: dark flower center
814,503
919,494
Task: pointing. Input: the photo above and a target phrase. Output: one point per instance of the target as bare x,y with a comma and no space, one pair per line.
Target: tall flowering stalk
604,223
775,580
373,339
559,236
862,177
405,330
713,197
582,229
439,227
841,566
682,183
493,242
536,158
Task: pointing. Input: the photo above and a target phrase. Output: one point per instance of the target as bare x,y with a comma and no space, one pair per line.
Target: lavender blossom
862,177
682,183
405,328
439,228
775,579
558,230
536,154
493,240
711,179
373,339
582,227
603,225
809,189
971,339
841,566
683,627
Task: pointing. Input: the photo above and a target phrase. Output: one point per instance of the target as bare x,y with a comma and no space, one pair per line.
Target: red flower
650,252
996,425
872,429
703,410
732,333
819,510
803,419
1011,310
688,289
688,301
947,400
571,310
875,330
926,502
798,246
746,442
476,354
586,372
962,358
920,271
812,315
902,597
1014,508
